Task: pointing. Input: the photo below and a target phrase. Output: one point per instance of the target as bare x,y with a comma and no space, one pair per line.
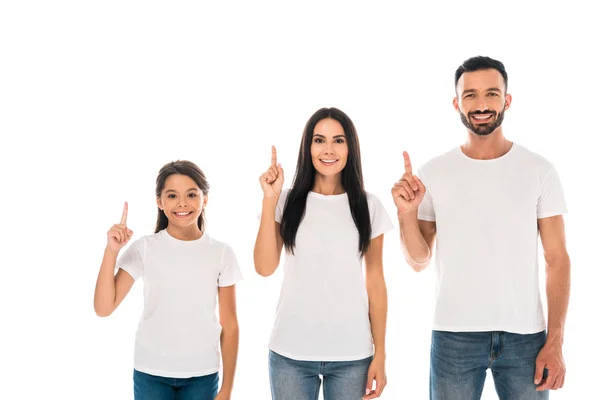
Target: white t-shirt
178,334
323,309
486,214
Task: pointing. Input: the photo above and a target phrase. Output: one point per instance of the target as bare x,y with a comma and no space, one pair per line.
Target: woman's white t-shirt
323,309
178,334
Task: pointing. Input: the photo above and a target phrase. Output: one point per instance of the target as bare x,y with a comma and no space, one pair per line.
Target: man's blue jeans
459,361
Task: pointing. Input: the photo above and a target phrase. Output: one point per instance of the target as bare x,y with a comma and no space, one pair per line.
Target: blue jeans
151,387
300,380
459,361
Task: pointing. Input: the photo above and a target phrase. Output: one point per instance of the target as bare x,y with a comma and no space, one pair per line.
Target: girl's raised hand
119,235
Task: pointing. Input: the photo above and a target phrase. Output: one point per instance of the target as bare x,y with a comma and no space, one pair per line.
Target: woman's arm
267,249
377,292
269,242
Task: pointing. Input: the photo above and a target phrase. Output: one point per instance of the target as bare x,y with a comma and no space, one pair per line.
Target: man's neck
487,147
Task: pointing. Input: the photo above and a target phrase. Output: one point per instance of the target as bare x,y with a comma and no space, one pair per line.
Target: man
485,202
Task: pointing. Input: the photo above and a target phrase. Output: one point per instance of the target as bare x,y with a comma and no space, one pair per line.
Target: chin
181,224
329,173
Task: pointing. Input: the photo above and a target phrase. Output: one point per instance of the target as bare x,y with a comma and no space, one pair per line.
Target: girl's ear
204,202
159,203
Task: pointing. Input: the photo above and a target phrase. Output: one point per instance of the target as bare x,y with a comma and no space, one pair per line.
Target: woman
330,320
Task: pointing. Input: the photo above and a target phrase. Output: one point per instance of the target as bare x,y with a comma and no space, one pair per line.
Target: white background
96,96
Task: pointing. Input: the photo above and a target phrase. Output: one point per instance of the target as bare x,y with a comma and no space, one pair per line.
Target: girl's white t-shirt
323,309
178,333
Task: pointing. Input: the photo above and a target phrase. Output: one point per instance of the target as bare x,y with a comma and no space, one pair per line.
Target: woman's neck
328,185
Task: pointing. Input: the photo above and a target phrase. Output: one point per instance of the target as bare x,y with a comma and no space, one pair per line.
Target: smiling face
329,147
482,100
182,201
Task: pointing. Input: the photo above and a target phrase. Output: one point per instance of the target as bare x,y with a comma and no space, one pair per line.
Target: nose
481,104
328,149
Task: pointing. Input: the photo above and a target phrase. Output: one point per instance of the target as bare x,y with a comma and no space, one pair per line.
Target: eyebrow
189,190
323,136
492,89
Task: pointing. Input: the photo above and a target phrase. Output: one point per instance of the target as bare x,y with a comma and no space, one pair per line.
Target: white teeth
329,161
181,214
484,117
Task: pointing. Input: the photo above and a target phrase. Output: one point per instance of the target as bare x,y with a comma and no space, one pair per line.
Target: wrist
225,390
407,215
379,354
555,336
110,252
270,199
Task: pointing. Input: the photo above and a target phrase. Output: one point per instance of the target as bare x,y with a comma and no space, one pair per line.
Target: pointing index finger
124,216
273,156
407,164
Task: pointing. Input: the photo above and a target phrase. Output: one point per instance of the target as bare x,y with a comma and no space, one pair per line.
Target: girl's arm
229,339
377,292
110,289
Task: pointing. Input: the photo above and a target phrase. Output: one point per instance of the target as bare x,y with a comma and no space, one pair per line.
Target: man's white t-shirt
323,309
486,214
178,334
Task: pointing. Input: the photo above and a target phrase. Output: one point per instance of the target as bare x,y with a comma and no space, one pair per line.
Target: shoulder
373,202
532,160
146,240
157,239
139,247
440,163
217,246
372,199
211,241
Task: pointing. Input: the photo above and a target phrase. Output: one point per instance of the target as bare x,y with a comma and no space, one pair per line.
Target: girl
176,347
329,322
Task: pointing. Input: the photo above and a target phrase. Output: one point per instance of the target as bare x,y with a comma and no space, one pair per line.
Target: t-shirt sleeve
230,271
551,201
132,260
426,211
380,220
280,206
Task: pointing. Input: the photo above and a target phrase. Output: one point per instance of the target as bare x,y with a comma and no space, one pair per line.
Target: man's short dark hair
480,63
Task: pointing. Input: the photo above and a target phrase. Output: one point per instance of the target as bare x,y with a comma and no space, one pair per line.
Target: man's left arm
558,283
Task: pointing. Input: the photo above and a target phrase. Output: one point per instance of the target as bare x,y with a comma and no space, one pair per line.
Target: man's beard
483,129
